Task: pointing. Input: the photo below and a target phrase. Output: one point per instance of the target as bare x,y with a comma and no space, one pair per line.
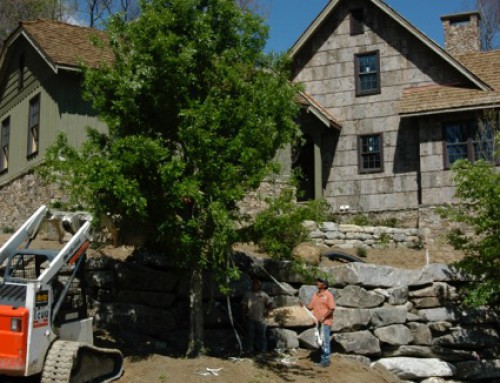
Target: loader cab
27,265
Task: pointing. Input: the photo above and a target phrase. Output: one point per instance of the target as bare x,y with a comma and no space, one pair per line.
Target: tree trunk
196,330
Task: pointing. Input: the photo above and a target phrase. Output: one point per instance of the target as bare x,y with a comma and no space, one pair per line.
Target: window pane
371,152
457,152
368,63
368,81
456,133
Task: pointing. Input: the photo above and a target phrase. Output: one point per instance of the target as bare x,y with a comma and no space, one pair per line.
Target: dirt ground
267,369
154,367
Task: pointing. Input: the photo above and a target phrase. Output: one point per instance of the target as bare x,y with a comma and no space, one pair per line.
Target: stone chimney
461,33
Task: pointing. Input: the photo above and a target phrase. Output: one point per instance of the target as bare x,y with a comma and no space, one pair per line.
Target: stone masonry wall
410,321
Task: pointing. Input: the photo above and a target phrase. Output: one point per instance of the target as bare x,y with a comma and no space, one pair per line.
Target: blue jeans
256,336
325,347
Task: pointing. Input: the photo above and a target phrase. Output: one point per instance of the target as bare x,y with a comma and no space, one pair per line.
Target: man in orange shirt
322,306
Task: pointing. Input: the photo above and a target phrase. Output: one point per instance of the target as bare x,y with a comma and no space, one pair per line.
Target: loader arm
27,231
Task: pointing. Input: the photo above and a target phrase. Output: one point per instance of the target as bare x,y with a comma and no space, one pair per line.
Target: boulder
145,278
416,368
478,369
283,338
272,288
350,319
357,297
421,333
448,355
103,279
469,338
427,302
329,226
384,316
360,343
439,327
307,252
395,296
439,290
440,272
308,339
480,315
148,298
293,316
285,301
369,275
395,335
439,314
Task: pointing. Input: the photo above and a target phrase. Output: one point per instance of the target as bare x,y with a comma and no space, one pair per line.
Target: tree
14,11
196,113
478,190
490,21
256,6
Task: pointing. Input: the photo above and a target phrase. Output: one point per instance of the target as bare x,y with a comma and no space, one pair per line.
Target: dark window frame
34,126
362,154
357,21
359,74
469,129
4,145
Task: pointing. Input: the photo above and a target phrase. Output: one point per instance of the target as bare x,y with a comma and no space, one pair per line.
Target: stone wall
346,236
408,320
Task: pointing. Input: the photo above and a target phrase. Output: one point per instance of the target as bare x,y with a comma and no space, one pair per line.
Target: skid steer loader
44,327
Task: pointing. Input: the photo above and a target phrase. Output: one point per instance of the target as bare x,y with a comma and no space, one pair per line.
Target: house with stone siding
406,109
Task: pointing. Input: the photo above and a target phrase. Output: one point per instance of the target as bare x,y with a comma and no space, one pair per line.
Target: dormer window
357,21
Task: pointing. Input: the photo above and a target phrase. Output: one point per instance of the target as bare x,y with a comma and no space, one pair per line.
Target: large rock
421,333
144,278
480,315
293,316
440,272
368,275
469,338
137,318
283,338
148,298
384,316
427,302
285,301
103,279
395,335
357,297
478,370
440,290
350,319
307,252
416,368
272,288
361,343
308,339
394,296
439,327
440,314
415,351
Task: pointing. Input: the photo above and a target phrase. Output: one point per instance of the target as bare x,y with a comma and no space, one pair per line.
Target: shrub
361,252
279,228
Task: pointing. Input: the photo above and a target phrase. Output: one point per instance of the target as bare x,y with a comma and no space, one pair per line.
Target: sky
288,19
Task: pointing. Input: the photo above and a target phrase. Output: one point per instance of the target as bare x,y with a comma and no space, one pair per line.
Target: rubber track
63,356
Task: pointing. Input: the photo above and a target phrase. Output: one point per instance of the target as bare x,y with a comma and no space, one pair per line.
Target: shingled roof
62,45
453,97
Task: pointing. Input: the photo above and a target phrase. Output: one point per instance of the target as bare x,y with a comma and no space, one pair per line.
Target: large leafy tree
196,113
478,192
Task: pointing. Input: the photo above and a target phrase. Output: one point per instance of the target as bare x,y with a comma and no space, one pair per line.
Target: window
367,73
22,64
357,21
34,126
4,142
468,140
370,153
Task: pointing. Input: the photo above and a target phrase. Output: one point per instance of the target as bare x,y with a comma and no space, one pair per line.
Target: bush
361,252
279,228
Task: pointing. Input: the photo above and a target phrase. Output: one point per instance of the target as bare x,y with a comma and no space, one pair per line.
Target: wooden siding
62,108
326,67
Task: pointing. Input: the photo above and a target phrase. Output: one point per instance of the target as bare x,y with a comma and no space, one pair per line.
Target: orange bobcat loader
44,327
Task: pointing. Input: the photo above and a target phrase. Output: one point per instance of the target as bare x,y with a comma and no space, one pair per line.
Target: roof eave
450,110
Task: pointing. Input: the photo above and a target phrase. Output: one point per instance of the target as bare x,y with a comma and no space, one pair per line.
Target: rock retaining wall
352,236
410,321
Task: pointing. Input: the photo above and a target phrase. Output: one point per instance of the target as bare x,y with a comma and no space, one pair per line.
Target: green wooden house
40,91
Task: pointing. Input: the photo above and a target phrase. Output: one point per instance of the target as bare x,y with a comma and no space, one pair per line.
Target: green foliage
361,252
360,220
385,239
196,113
478,190
388,222
279,228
